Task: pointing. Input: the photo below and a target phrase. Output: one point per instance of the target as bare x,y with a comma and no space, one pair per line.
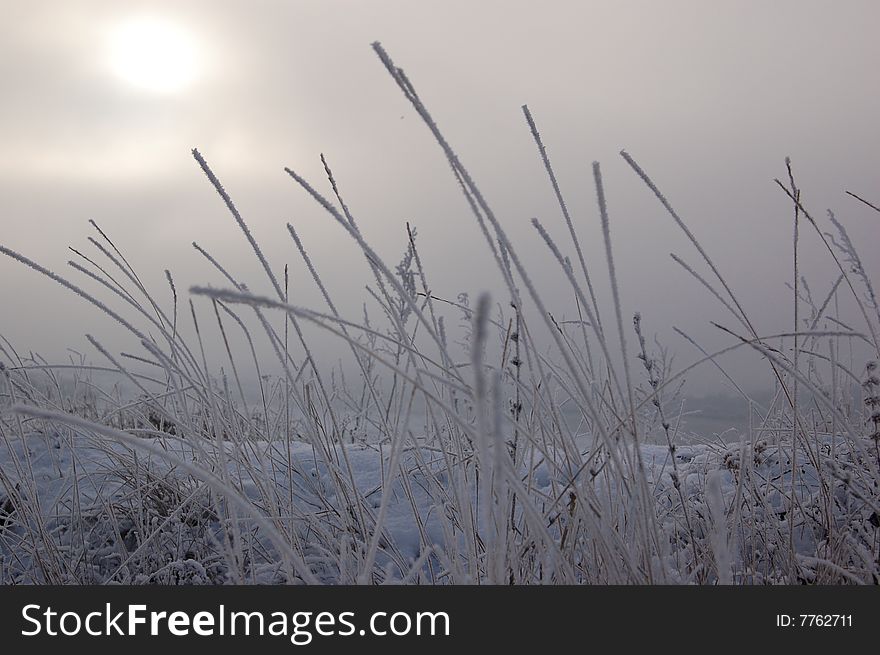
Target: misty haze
340,292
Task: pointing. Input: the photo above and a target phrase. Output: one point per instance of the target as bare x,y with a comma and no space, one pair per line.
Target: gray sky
708,96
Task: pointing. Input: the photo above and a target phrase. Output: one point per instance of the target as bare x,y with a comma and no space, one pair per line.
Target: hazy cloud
709,97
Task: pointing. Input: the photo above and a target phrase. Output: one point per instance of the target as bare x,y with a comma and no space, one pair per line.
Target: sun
154,55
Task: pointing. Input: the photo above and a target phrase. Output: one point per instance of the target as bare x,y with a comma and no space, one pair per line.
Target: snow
88,492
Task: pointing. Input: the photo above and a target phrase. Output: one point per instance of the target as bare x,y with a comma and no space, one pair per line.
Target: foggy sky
709,97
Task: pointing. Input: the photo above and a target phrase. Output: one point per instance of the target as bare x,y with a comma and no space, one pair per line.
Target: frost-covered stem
564,207
794,392
484,468
655,380
859,302
128,270
603,344
719,537
639,472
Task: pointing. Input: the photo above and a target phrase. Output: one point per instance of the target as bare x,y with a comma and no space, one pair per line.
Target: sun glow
154,55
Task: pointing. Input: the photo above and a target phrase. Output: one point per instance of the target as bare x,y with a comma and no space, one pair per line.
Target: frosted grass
515,448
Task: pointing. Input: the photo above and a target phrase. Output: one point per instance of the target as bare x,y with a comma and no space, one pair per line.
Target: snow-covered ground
107,512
